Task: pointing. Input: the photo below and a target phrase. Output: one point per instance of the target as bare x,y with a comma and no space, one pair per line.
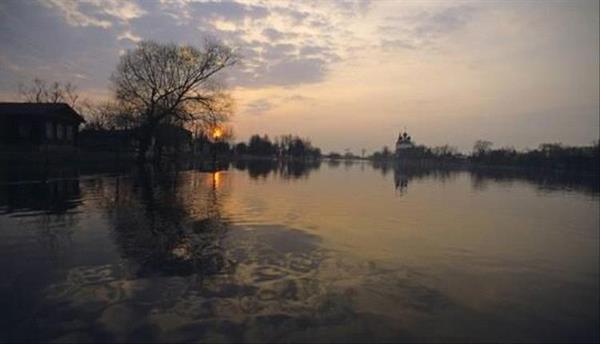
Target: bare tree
171,84
446,151
106,115
39,91
481,147
212,118
386,153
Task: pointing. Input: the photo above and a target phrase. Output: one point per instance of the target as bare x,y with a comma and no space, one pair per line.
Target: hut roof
47,110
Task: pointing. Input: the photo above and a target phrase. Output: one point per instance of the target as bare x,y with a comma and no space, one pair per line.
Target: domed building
404,143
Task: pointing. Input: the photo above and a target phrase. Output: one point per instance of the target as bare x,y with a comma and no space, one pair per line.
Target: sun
217,133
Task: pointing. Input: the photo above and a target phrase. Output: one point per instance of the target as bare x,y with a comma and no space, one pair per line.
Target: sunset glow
518,73
300,171
217,133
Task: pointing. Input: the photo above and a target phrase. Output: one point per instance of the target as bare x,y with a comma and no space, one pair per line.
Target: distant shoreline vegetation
554,156
548,156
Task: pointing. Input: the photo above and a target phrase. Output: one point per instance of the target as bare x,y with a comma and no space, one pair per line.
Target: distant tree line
547,155
285,146
445,152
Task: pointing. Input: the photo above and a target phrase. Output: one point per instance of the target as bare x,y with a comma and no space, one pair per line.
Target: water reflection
185,255
404,173
286,169
166,224
544,180
482,177
333,163
49,208
53,196
256,283
285,288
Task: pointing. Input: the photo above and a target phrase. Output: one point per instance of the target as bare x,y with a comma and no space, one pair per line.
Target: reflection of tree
286,169
286,286
168,223
293,169
406,171
256,168
544,180
333,163
383,165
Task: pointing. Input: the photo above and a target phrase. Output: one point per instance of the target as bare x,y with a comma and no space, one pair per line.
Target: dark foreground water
295,253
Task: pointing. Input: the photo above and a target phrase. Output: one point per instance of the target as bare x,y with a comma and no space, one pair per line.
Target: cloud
277,52
297,98
262,106
446,20
424,29
229,10
319,51
352,7
286,45
291,71
297,16
273,34
269,37
123,10
98,13
40,43
391,44
297,71
74,16
259,106
128,35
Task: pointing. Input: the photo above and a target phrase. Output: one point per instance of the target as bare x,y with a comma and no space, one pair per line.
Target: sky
346,74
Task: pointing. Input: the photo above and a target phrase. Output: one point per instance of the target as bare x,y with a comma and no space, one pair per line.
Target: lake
321,252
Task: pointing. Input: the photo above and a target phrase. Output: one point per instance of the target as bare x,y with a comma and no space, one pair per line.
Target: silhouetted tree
171,84
296,147
261,146
547,156
39,91
386,153
444,152
106,115
481,147
334,155
241,148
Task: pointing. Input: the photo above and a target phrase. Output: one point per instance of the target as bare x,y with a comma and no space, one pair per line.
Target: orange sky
346,74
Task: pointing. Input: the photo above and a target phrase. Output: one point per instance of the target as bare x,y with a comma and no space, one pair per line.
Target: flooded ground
295,253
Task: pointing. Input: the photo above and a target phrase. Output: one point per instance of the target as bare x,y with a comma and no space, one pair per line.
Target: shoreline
80,158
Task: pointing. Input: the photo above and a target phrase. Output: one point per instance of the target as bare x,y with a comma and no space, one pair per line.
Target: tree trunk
146,134
145,141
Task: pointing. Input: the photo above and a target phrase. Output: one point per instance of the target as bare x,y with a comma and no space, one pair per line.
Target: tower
404,142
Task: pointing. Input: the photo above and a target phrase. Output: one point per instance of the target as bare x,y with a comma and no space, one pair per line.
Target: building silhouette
404,144
31,126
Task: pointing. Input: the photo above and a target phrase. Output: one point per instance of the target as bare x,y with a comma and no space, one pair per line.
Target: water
321,252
